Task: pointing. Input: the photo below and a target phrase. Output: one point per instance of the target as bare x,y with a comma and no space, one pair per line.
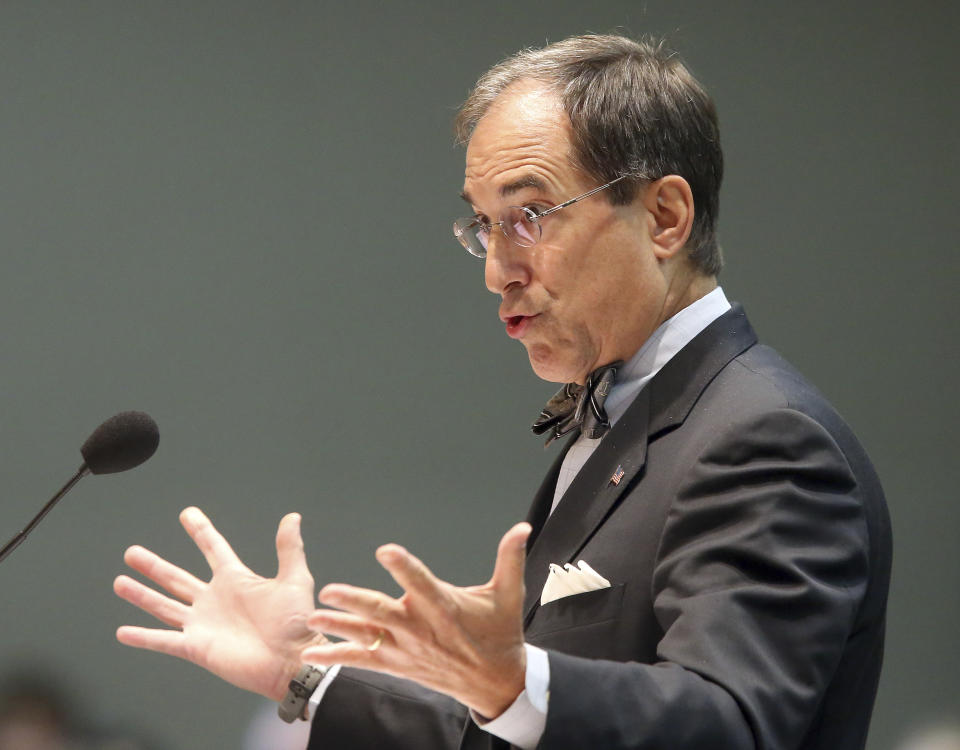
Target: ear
669,202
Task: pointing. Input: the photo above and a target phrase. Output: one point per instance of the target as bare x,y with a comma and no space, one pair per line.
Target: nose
506,265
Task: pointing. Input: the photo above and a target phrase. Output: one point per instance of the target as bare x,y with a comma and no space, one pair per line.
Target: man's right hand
244,628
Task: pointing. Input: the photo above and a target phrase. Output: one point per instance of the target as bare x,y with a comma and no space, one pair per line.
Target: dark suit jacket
748,547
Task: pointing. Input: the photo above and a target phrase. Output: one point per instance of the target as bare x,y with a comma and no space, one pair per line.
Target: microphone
122,442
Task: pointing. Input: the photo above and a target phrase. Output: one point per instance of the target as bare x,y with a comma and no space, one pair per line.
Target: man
725,538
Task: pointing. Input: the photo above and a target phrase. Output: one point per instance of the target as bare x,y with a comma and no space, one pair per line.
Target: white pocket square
570,580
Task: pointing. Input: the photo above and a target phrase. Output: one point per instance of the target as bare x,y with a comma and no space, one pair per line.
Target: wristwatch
294,705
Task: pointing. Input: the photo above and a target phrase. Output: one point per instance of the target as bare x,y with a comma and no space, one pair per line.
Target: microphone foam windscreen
125,440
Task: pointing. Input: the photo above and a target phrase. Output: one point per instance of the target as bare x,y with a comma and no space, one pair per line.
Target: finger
346,625
372,605
165,609
409,571
211,543
511,557
176,580
170,642
291,560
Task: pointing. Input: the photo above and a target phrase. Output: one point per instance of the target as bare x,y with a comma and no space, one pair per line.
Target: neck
681,295
683,290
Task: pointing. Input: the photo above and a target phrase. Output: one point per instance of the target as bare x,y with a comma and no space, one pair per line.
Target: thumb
511,558
291,560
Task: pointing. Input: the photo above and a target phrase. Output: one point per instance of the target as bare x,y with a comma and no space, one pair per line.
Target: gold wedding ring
376,644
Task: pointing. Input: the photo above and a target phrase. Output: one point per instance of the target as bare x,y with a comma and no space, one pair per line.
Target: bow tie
577,405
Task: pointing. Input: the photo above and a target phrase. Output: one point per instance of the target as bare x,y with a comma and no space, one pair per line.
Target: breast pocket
586,615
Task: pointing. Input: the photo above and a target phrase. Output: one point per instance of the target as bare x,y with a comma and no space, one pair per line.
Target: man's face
591,290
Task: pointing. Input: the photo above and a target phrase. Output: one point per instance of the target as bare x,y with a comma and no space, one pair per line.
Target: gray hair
634,109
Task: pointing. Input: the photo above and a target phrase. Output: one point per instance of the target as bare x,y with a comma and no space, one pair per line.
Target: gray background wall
235,216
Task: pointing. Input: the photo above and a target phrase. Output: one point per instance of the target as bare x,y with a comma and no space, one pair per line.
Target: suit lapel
663,404
676,388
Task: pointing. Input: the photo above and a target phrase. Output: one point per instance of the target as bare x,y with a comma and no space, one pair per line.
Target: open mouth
517,324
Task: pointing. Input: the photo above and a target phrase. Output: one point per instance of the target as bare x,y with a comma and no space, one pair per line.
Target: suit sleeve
363,709
761,568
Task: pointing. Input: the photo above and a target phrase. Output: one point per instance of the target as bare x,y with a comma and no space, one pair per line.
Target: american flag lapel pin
617,475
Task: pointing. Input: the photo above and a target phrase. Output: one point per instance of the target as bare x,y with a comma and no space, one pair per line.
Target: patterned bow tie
581,406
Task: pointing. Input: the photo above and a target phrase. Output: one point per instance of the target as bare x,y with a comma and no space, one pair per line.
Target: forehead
524,134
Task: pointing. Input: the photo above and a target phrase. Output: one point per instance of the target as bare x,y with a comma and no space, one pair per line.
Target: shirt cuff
321,688
522,724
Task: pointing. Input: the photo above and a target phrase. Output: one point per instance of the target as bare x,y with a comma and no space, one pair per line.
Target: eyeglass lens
519,224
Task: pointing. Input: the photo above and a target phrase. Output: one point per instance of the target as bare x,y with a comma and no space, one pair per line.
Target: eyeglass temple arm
581,197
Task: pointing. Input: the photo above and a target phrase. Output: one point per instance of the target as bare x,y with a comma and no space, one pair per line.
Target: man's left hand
466,642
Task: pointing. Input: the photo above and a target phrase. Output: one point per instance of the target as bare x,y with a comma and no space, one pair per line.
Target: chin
548,366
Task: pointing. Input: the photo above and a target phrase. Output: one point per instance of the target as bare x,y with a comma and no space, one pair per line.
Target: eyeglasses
519,224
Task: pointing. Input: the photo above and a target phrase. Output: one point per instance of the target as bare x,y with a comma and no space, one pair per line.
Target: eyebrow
521,183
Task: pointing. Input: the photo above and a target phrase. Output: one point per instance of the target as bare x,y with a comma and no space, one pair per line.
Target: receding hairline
543,94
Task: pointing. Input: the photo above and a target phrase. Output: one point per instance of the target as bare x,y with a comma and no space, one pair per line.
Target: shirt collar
672,335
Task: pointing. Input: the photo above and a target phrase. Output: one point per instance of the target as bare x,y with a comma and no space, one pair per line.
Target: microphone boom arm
15,542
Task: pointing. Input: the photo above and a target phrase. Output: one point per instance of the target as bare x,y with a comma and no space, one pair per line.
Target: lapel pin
617,475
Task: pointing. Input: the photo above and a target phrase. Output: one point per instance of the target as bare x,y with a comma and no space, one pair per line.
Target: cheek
563,272
585,289
595,301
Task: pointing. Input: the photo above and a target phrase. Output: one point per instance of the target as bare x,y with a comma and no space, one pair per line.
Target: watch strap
301,687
